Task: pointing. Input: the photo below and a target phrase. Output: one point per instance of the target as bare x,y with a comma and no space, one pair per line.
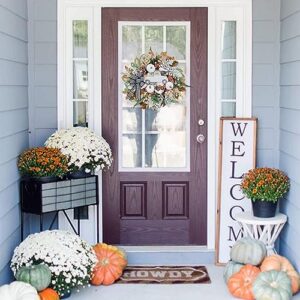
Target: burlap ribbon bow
137,81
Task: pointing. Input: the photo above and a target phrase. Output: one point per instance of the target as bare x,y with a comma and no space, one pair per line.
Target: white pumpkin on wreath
154,81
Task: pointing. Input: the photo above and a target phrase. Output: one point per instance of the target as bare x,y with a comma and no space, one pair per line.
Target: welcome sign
237,155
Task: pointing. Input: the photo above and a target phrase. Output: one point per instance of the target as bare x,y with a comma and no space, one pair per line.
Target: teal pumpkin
272,285
230,269
39,276
248,251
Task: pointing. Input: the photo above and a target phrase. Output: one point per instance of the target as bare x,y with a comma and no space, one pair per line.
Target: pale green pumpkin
230,269
39,276
272,285
248,251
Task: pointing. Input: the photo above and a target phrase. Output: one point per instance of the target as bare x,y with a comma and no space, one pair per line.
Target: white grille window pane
80,39
183,67
153,158
229,40
80,79
132,150
170,118
154,36
228,109
132,119
80,113
132,42
165,150
176,41
228,80
151,121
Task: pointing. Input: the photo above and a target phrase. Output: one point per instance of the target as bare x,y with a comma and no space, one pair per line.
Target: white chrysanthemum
84,148
70,259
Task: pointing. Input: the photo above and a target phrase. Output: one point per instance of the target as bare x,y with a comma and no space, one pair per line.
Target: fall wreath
154,81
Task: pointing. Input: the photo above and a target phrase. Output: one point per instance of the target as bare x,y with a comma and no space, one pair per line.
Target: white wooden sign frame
237,155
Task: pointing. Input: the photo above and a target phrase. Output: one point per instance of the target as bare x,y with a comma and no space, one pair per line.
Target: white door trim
218,10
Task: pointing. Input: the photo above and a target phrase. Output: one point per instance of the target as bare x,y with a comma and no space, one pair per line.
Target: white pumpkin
169,85
150,89
18,291
150,68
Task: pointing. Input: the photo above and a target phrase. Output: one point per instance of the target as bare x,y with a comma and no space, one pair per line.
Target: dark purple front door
156,191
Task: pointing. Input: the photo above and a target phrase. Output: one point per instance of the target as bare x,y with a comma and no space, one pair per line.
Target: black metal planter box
39,198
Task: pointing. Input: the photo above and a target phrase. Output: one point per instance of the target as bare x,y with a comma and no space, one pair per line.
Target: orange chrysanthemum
43,161
267,184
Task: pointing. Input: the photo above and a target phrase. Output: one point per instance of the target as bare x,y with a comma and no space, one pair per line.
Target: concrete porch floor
215,291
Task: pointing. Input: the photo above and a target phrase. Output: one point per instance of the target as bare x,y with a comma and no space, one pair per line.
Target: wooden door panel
175,199
155,208
165,233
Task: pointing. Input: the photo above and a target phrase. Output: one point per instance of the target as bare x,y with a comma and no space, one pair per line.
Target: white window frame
218,11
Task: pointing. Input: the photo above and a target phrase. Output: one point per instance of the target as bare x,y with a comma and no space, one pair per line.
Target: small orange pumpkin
48,294
280,263
110,266
240,284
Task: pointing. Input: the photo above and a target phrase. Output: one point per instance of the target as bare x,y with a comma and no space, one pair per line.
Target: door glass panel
151,120
80,77
165,150
176,41
80,39
229,80
172,118
80,113
228,109
229,68
131,42
132,150
80,72
229,40
132,119
149,139
154,38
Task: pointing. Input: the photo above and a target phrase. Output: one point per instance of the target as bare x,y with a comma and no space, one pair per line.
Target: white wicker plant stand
266,230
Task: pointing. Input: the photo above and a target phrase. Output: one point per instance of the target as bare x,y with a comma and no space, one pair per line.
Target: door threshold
192,248
169,255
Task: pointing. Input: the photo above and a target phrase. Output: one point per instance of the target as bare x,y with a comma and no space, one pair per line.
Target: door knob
200,138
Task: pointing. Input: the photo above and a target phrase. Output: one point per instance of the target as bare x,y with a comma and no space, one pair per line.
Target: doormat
165,275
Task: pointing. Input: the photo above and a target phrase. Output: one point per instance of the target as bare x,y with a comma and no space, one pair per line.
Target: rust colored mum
266,184
43,161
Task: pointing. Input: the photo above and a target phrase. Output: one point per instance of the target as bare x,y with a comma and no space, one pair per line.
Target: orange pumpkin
48,294
110,266
240,284
280,263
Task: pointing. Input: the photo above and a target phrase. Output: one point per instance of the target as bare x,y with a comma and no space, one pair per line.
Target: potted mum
265,187
87,152
70,259
43,164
